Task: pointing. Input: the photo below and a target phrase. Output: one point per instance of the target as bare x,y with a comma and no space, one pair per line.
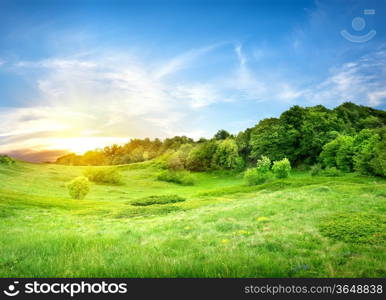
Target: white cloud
241,57
113,97
362,81
198,95
183,61
376,98
104,96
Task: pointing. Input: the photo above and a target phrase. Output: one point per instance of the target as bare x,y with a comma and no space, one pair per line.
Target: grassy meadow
301,226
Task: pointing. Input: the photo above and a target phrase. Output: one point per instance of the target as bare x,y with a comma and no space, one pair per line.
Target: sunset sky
77,75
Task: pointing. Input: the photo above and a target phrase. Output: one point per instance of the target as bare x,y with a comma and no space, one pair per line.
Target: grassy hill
301,226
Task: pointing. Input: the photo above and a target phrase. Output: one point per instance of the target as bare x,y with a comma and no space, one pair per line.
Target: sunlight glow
80,145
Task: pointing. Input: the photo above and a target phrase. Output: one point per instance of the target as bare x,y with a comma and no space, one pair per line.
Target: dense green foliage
253,176
181,177
79,187
281,168
263,165
260,174
349,137
227,156
103,175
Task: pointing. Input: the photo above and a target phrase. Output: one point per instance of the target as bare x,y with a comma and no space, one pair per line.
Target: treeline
349,137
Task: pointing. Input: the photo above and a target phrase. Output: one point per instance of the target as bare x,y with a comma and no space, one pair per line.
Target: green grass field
302,226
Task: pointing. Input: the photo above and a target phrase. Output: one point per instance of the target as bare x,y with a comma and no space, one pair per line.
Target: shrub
79,187
157,199
331,172
182,177
175,162
316,170
281,168
255,177
103,175
263,165
6,160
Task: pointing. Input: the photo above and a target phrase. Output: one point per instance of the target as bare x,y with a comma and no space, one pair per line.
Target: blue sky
81,74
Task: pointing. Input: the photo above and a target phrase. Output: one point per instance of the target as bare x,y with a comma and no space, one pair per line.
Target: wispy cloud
362,81
104,99
183,60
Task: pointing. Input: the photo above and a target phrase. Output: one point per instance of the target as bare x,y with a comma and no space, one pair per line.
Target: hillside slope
284,228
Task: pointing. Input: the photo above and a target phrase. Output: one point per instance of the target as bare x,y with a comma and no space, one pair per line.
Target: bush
79,187
255,177
103,175
157,199
6,160
182,177
316,170
331,172
263,165
281,168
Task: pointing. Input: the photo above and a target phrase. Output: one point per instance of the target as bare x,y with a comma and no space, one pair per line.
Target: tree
378,163
339,153
227,155
200,158
112,152
270,137
221,135
94,158
243,143
179,159
364,145
345,153
319,128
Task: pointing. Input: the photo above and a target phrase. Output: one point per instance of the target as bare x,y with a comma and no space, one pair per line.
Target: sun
80,145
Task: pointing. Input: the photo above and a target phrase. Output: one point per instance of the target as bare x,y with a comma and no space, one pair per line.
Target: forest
347,138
